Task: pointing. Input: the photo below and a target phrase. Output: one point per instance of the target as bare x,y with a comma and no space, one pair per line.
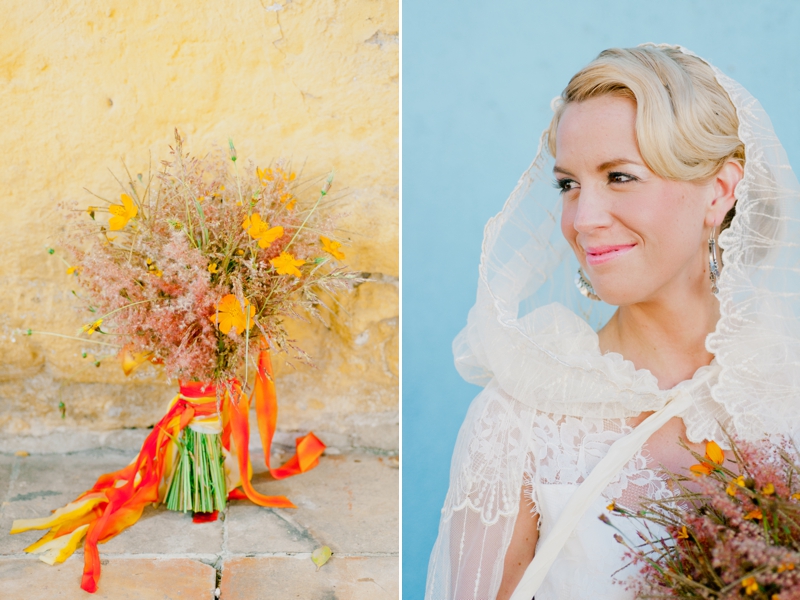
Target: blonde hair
686,125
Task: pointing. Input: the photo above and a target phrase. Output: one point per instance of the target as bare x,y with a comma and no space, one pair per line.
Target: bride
677,206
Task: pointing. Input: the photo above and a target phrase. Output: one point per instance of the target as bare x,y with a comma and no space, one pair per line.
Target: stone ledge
376,433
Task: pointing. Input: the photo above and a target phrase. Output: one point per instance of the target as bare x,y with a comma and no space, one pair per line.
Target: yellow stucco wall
86,87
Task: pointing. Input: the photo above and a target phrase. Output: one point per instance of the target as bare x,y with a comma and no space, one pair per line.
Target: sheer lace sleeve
490,463
505,445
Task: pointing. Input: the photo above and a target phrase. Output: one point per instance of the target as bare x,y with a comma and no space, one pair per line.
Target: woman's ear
723,185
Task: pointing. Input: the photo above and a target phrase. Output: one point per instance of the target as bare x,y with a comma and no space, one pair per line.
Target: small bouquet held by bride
731,531
195,269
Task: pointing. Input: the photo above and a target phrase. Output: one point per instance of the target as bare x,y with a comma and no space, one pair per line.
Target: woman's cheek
567,220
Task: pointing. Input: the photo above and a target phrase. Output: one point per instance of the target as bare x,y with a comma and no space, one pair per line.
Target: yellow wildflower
151,266
731,489
92,327
750,586
714,453
286,264
768,489
288,197
122,213
785,567
131,360
796,496
332,247
212,267
754,514
701,469
611,506
261,231
72,270
230,315
683,534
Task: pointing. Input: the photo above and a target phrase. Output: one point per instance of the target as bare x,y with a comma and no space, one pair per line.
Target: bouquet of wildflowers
731,531
191,268
196,269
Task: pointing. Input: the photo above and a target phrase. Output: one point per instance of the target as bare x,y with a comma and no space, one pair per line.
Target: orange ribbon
309,447
117,499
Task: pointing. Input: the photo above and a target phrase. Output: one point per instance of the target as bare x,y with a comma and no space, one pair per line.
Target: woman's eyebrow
616,162
557,169
603,166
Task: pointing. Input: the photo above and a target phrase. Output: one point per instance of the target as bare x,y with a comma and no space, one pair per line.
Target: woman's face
636,235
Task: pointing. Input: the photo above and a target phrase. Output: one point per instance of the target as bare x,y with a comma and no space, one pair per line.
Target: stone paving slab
350,578
162,531
348,502
257,530
6,465
46,482
122,579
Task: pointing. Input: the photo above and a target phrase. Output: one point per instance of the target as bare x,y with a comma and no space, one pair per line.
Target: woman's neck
665,336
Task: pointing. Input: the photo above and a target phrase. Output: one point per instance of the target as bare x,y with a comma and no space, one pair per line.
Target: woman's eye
620,178
565,185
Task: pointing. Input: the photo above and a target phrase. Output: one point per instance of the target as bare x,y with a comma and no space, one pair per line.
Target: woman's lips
597,255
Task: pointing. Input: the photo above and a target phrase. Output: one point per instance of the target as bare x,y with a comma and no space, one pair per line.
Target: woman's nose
592,211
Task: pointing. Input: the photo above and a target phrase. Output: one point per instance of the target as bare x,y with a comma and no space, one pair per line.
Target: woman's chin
618,295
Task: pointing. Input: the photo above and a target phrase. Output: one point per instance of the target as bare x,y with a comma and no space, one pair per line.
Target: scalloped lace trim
509,444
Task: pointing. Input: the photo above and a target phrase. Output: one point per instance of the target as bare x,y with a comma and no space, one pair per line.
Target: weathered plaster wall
87,86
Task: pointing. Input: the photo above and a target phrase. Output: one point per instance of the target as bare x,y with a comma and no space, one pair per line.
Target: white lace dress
549,455
506,445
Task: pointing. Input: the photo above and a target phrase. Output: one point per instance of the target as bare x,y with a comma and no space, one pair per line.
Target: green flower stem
71,337
116,310
322,194
198,484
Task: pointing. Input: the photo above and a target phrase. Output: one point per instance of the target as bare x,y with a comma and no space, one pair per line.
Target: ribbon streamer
117,499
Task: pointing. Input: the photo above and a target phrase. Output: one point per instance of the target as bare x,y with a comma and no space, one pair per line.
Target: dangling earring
585,286
713,265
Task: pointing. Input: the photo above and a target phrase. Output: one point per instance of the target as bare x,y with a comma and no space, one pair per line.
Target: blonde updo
686,125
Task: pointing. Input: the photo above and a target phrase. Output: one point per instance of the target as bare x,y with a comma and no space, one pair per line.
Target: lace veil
532,332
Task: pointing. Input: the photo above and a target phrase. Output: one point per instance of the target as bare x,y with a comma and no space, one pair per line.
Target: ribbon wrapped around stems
117,499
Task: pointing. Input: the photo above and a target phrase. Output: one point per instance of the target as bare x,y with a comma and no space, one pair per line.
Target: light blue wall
478,78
